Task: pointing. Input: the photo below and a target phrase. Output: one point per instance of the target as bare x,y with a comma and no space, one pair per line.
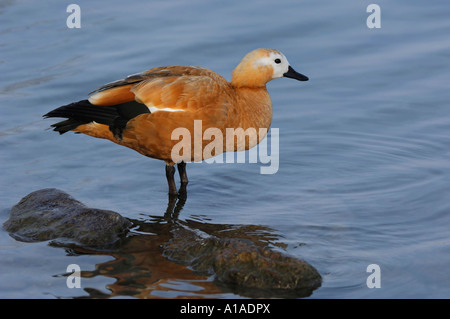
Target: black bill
291,73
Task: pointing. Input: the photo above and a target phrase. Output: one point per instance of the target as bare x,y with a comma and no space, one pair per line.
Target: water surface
364,145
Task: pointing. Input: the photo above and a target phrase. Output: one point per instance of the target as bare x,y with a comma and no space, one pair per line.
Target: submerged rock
243,266
50,213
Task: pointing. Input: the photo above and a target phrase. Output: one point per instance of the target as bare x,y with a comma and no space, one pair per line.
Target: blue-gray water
364,145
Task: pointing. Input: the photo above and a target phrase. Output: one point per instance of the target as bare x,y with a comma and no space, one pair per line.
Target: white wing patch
154,109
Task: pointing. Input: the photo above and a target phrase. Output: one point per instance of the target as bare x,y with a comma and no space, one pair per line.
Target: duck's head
262,65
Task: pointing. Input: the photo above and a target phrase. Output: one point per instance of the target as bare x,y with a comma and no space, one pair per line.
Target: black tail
83,112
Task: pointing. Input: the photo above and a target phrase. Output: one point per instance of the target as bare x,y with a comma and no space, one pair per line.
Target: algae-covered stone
53,214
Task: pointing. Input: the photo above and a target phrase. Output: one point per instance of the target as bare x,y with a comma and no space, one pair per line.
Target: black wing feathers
83,112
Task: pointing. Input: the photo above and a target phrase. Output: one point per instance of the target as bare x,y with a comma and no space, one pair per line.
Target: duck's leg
182,171
170,172
183,177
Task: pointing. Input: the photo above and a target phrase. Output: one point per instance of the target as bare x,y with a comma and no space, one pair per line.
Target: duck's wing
126,90
182,93
162,90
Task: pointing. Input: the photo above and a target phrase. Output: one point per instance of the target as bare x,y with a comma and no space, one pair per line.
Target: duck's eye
277,61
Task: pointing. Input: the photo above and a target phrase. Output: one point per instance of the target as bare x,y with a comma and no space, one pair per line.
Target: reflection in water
141,270
175,205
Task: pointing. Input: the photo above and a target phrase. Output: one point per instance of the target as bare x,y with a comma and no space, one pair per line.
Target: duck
143,110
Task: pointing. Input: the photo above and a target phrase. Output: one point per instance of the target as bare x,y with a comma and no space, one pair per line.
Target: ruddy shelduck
142,110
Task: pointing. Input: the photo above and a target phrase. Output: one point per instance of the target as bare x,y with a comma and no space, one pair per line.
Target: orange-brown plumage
152,104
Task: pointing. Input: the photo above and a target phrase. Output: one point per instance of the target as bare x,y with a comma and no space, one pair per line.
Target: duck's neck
250,75
254,108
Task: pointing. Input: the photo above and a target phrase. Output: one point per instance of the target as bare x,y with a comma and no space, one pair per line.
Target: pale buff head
262,65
